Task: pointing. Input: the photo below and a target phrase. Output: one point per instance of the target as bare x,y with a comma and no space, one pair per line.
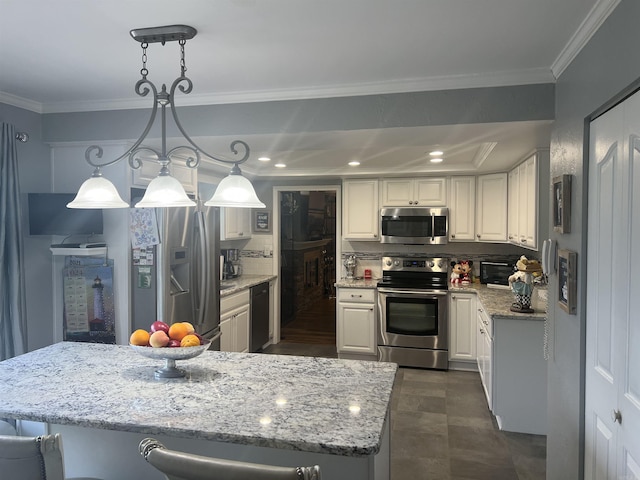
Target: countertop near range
497,301
229,287
357,282
319,405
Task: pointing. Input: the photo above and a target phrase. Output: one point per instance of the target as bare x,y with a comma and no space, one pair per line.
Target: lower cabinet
356,323
513,371
484,352
462,327
234,322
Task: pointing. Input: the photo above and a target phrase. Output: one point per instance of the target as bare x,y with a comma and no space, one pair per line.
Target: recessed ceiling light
264,159
436,153
280,165
436,160
354,163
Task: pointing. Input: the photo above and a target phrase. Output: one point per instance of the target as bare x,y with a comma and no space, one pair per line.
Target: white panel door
612,405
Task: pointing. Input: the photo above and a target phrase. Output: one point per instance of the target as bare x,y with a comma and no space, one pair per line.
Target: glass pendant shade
97,192
165,191
235,191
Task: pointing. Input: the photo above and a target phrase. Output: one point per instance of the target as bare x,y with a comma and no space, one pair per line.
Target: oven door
412,318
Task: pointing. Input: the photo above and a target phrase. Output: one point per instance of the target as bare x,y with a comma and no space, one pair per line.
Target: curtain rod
22,137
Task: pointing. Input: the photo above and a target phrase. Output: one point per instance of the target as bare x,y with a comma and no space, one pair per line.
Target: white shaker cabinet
360,214
462,209
235,313
484,352
188,177
414,192
523,203
491,208
462,326
356,323
235,223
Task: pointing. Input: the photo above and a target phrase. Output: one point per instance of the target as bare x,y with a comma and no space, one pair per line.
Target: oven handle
413,291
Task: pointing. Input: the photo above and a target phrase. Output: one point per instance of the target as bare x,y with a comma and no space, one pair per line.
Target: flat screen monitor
49,215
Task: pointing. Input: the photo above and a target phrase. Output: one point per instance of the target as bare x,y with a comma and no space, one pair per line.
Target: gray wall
35,176
448,107
607,64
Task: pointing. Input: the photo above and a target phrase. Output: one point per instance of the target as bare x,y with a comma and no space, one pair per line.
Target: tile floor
443,430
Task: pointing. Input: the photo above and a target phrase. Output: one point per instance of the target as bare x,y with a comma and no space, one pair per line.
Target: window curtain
12,301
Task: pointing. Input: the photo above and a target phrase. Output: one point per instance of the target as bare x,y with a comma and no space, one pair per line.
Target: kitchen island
281,410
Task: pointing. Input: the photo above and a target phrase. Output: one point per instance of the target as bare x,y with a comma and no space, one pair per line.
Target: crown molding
589,26
483,153
20,102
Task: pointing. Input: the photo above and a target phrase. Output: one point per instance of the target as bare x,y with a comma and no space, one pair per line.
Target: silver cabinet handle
616,416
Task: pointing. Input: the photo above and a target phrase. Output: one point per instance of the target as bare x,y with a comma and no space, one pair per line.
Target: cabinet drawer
234,301
356,295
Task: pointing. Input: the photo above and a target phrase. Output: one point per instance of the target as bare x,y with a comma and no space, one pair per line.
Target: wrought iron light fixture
164,190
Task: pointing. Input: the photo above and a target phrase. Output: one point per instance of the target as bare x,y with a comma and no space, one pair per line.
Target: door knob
616,416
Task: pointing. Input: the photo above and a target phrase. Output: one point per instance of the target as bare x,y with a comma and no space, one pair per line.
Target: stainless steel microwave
414,225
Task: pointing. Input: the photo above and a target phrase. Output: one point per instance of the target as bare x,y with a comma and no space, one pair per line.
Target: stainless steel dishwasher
259,333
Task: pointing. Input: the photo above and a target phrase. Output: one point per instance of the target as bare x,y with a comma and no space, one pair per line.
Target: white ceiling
77,55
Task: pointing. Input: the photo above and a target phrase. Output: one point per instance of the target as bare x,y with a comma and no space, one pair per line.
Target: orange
189,327
190,341
139,337
177,331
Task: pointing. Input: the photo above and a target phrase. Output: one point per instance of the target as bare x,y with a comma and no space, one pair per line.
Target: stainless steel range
412,308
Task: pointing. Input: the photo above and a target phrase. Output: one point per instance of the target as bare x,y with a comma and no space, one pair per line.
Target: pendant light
165,190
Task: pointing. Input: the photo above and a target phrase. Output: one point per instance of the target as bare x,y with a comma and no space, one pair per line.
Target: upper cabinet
462,209
188,177
235,223
360,215
491,208
414,192
526,201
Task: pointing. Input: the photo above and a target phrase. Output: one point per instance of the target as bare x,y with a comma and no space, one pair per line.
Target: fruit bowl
170,355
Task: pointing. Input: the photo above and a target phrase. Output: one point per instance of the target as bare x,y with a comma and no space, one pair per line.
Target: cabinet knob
616,416
480,310
415,203
478,235
485,322
410,202
482,331
453,297
240,233
453,235
523,240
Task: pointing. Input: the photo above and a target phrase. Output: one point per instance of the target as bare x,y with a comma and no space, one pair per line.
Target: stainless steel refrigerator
179,281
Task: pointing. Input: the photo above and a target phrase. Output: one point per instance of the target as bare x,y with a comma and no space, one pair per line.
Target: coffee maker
232,267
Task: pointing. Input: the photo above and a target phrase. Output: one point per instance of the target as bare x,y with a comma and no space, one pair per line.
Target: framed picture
261,221
567,280
562,204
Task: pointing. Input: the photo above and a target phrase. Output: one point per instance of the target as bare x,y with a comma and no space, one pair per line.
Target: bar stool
184,466
33,458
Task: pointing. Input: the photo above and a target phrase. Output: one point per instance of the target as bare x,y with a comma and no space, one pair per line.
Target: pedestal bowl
170,355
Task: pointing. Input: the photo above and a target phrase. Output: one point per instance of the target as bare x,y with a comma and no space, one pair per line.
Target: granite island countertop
306,404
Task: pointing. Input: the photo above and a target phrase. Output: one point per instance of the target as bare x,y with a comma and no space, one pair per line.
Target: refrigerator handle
203,290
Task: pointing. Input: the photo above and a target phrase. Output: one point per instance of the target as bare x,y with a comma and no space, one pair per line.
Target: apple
202,342
159,339
159,326
173,343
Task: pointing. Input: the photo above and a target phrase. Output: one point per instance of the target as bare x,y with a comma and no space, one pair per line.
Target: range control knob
396,263
431,264
388,262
